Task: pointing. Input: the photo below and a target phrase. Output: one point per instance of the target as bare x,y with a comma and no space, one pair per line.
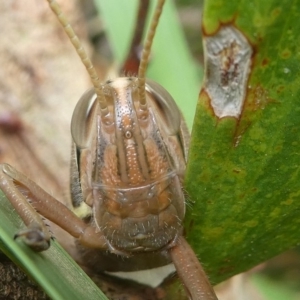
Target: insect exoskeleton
130,165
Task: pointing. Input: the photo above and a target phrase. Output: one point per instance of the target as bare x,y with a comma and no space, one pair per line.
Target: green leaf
243,174
54,270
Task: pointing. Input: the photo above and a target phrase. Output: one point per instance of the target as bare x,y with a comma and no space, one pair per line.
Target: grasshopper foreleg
191,272
31,201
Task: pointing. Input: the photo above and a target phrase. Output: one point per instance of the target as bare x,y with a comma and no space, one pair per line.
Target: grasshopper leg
31,201
191,272
36,235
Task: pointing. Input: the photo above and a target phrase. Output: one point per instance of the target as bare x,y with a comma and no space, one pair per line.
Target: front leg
191,272
28,198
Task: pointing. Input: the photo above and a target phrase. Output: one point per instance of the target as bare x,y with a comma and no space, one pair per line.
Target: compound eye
82,119
165,107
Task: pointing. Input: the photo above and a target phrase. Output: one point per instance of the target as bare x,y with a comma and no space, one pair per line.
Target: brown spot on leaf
256,101
286,53
260,99
225,270
280,89
228,61
242,196
275,12
229,68
265,62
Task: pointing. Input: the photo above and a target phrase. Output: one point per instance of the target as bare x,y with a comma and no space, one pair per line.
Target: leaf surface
243,173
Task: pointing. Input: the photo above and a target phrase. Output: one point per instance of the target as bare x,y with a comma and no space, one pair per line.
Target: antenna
81,52
132,62
146,53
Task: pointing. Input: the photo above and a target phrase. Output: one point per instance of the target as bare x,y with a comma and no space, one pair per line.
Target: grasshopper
129,152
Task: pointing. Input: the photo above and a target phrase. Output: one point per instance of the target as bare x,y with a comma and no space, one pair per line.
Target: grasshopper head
130,163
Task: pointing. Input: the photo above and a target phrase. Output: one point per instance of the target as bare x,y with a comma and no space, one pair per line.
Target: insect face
136,158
